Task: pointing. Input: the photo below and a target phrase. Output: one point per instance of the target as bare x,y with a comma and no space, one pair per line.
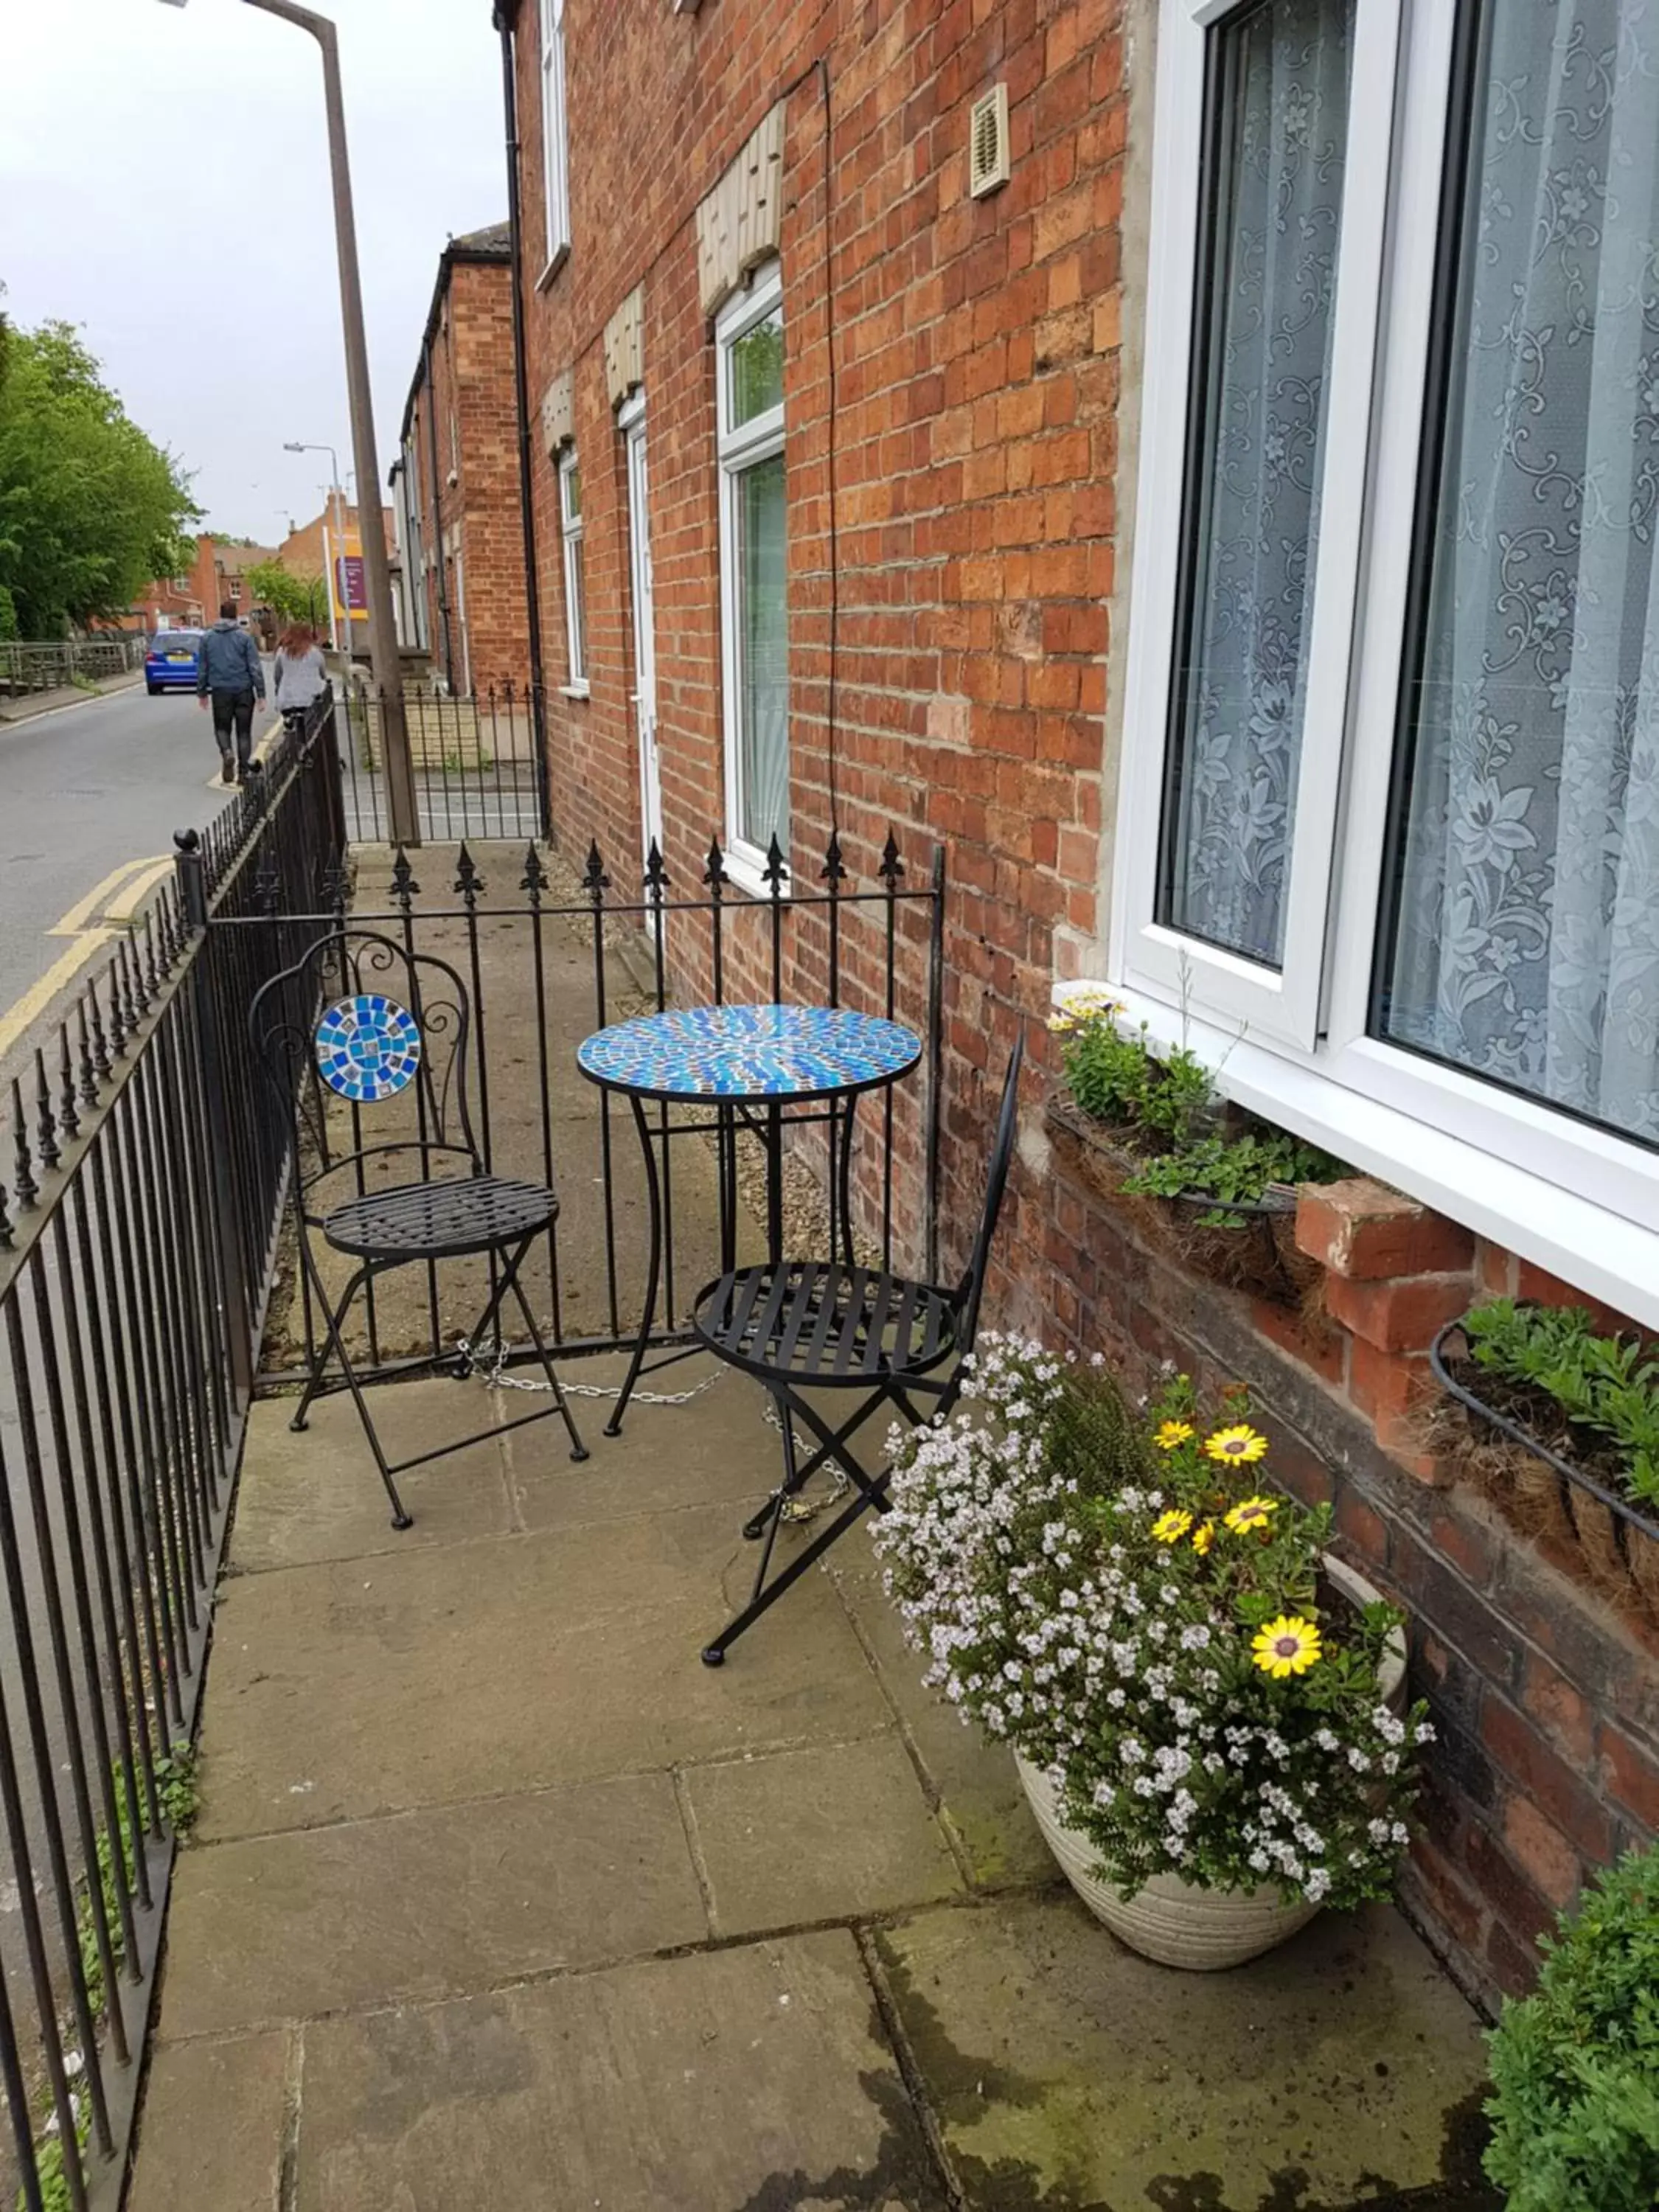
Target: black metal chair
816,1325
327,1030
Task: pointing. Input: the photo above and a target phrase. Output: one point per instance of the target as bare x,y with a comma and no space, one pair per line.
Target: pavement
93,792
498,1897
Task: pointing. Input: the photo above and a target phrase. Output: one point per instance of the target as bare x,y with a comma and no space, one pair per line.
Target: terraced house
1198,463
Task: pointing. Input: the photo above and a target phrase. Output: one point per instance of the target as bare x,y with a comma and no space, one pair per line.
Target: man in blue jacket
228,673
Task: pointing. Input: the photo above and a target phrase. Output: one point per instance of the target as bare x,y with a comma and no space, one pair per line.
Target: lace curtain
1527,946
1273,193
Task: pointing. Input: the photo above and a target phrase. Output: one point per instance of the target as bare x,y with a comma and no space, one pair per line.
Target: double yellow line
107,908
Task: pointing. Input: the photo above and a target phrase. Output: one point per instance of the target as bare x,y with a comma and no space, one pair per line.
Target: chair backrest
971,1289
362,1019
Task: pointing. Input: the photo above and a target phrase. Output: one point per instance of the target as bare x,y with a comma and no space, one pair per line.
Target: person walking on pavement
300,675
229,675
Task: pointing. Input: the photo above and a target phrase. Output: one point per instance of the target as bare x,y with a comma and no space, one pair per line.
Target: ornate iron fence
138,1219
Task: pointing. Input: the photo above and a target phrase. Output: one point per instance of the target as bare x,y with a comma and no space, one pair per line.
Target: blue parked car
170,665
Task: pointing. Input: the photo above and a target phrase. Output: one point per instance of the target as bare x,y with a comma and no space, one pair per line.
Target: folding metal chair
329,1029
812,1324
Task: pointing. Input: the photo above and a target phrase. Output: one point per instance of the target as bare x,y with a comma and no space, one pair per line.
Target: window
1389,822
555,161
575,599
754,611
235,587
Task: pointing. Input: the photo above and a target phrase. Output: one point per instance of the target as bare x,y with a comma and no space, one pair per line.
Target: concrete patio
498,1898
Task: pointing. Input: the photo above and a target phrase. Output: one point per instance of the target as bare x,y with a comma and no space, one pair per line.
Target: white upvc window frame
571,538
758,440
556,135
1579,1199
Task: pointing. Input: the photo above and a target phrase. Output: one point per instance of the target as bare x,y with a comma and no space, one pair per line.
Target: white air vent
987,142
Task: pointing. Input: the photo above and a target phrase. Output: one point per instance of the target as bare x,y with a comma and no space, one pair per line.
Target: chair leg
770,1517
333,1318
713,1654
578,1448
400,1517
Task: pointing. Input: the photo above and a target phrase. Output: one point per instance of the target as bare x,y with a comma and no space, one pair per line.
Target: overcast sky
164,184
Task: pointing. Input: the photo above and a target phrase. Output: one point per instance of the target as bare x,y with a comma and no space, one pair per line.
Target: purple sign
352,589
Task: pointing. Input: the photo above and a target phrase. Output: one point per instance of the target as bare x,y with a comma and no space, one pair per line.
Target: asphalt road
86,791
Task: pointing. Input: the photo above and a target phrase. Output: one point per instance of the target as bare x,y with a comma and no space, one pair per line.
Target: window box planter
1252,1248
1552,1476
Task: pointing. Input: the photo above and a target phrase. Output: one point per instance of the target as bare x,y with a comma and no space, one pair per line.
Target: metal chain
494,1376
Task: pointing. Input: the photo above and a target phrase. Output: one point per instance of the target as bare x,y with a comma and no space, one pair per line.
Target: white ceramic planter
1170,1920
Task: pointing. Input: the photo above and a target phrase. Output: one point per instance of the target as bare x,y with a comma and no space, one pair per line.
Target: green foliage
1114,1606
90,508
1170,1105
290,598
178,1788
1576,2065
1609,1384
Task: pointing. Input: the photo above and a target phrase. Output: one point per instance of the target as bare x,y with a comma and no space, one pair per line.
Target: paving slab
832,1832
211,2135
744,2080
317,1495
974,1781
433,1904
479,1669
1339,2072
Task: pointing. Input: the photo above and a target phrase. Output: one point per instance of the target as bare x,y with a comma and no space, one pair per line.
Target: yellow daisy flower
1251,1513
1169,1434
1242,1444
1170,1528
1289,1645
1203,1537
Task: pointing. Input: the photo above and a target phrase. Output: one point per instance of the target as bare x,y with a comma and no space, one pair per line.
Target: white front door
644,633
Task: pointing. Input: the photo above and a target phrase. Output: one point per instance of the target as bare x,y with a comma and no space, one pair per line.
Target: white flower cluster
1027,1576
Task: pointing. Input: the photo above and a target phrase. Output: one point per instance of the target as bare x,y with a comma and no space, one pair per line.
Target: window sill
555,264
574,690
1598,1252
747,871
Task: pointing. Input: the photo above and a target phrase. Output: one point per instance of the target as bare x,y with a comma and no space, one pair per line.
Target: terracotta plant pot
1174,1922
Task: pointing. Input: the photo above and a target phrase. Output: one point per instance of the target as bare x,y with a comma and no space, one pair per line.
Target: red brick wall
976,346
469,405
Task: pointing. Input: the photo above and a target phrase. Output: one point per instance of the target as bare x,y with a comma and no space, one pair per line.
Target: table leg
775,1184
648,1313
726,1143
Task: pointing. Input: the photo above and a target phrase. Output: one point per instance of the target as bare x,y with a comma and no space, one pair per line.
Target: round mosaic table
748,1063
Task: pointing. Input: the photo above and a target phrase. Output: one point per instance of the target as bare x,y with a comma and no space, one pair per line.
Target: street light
404,816
300,446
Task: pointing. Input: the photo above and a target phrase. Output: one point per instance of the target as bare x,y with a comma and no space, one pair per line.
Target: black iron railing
143,1194
549,955
477,756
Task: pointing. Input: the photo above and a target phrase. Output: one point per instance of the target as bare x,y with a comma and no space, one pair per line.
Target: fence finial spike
45,1121
535,879
776,871
834,870
892,866
69,1112
23,1180
403,885
656,875
714,874
594,879
468,882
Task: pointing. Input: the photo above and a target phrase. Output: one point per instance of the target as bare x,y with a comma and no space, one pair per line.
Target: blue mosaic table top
750,1052
368,1048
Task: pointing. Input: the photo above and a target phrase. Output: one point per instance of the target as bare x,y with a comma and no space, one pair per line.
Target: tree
294,599
90,508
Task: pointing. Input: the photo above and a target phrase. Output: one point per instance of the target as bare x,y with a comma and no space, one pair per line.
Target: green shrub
1576,2065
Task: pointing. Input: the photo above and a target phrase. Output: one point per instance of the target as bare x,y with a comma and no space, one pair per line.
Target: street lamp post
300,446
403,815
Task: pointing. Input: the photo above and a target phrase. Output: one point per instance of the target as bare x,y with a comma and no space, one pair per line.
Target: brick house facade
218,573
974,393
456,483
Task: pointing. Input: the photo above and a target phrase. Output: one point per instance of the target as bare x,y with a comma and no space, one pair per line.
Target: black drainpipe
521,389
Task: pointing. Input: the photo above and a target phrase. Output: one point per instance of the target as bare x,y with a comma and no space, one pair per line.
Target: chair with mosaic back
368,1043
